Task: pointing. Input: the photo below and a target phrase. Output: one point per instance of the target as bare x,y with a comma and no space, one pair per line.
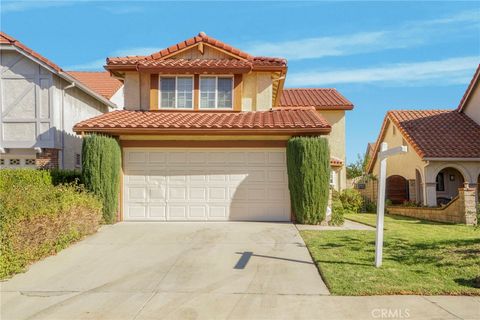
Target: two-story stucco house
443,151
39,105
204,132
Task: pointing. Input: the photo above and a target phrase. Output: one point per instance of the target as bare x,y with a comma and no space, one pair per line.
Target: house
204,132
39,105
443,151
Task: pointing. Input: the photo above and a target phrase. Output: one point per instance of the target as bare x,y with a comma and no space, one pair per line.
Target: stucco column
469,200
431,194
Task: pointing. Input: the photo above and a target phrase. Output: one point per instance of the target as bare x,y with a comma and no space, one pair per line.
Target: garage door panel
217,194
177,193
197,193
157,194
136,193
206,184
157,212
197,212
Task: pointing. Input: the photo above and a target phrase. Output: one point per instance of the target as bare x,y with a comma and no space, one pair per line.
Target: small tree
101,163
308,164
357,168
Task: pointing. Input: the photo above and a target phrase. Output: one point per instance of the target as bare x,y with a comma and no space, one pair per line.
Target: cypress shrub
101,171
308,164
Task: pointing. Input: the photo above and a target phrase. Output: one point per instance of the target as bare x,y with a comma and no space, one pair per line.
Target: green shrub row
65,176
308,165
23,177
38,219
101,172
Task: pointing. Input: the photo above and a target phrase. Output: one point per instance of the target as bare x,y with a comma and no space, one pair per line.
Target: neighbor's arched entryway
448,181
397,189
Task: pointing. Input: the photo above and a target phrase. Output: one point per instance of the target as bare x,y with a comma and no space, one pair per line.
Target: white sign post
382,157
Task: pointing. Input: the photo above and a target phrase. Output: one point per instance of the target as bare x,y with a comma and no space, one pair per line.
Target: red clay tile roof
149,61
100,82
6,39
473,83
435,133
320,98
197,65
276,121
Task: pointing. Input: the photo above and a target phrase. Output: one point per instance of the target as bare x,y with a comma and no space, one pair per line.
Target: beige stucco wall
336,140
132,90
256,91
472,108
403,165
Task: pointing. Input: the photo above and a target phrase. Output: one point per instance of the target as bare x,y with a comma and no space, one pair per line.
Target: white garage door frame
205,184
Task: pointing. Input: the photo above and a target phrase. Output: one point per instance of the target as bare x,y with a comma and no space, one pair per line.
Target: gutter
87,90
452,159
205,132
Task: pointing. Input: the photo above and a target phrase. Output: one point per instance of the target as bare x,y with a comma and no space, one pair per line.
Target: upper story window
216,92
176,92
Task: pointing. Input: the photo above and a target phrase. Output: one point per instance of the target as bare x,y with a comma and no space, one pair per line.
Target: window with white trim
216,92
176,92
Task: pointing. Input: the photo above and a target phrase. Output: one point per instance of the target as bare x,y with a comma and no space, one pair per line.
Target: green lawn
419,257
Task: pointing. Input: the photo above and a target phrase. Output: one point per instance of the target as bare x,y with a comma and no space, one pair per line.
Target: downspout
72,85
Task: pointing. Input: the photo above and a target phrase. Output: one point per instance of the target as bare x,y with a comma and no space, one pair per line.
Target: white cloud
98,64
87,66
18,6
407,35
440,72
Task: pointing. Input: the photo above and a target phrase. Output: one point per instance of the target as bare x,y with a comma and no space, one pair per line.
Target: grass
419,257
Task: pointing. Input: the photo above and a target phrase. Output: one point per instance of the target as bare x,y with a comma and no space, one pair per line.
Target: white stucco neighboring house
40,103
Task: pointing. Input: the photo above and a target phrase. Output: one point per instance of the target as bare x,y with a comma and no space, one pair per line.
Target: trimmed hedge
65,176
308,164
39,219
23,177
101,172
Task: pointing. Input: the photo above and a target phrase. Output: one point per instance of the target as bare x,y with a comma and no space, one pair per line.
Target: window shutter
237,92
154,92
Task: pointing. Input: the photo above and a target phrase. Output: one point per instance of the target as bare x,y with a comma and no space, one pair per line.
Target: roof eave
196,131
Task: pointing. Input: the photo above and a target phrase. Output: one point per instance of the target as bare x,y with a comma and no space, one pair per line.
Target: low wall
461,209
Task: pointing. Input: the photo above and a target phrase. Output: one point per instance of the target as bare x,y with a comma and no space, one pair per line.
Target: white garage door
205,184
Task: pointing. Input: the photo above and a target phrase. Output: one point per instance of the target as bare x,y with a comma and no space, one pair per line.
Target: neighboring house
204,132
39,105
443,151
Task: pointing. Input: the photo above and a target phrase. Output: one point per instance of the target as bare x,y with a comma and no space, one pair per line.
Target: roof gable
6,40
470,89
434,133
192,50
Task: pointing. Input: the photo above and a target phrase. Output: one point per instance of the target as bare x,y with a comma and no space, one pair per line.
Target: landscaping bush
23,177
37,220
101,171
308,164
65,176
337,218
370,206
351,200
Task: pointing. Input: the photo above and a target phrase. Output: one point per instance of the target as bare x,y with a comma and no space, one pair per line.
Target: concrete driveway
199,271
161,270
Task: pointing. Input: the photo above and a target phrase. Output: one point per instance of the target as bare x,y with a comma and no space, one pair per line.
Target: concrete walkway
199,271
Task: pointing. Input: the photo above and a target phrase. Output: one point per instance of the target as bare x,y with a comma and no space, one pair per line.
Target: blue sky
380,55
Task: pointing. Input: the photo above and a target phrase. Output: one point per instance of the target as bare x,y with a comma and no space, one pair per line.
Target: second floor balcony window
216,92
176,92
